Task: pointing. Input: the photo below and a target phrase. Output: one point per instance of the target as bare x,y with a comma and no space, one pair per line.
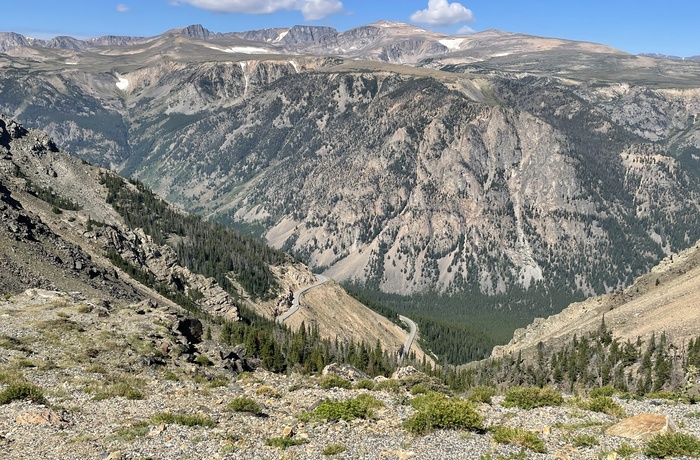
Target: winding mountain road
320,279
411,335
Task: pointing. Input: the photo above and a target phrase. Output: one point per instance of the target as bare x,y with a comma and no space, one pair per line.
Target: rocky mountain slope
522,171
63,227
663,300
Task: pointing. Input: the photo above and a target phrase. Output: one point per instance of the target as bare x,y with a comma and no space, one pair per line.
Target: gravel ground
84,420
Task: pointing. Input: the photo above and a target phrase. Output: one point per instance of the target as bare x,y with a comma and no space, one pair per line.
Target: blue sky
669,27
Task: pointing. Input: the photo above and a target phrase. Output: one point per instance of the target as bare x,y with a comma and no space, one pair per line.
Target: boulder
44,417
642,427
190,328
345,371
404,372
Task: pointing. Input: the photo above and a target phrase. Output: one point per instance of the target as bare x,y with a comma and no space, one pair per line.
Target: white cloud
311,9
441,13
121,8
465,30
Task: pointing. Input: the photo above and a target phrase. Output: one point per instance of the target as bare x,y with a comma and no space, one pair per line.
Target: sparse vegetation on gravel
519,437
531,397
436,411
245,404
673,445
22,390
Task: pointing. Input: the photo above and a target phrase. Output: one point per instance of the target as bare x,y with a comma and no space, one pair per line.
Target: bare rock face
345,371
42,417
642,427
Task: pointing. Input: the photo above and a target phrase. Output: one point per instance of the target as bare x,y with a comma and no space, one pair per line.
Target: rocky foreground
128,382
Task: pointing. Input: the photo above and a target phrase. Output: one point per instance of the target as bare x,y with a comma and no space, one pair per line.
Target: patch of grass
481,394
668,395
218,382
585,440
365,384
333,381
267,392
18,391
245,404
203,360
531,397
521,455
626,450
437,411
694,414
519,437
672,445
361,406
602,391
389,385
184,419
419,389
131,432
334,449
119,389
283,442
605,405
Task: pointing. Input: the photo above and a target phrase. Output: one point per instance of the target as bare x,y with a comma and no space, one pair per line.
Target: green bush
334,449
602,391
436,411
245,404
519,437
531,397
333,381
22,390
389,385
606,405
419,389
673,445
481,394
361,406
365,384
585,440
626,450
184,419
283,442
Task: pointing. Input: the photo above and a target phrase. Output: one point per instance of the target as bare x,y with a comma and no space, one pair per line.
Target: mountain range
460,175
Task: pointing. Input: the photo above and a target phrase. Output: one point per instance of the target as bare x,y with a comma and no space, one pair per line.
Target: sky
636,26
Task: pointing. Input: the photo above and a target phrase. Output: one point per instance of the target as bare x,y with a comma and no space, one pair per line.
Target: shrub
528,398
585,440
606,405
519,437
334,449
365,384
131,432
419,389
482,394
389,385
283,442
359,407
118,389
22,390
245,404
626,450
436,411
672,445
184,419
203,360
333,381
602,391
